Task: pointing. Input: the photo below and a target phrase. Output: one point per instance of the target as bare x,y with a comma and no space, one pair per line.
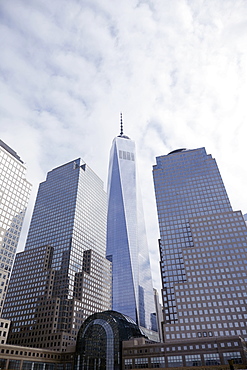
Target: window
141,363
193,360
157,362
3,363
128,363
235,356
175,361
14,364
27,365
212,359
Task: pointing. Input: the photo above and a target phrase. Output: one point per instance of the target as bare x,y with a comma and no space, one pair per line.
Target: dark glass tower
62,277
126,237
202,249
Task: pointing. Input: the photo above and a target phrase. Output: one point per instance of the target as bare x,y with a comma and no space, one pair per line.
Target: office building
14,195
202,249
62,277
127,248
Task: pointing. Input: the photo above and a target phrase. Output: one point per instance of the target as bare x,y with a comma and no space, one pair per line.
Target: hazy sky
177,70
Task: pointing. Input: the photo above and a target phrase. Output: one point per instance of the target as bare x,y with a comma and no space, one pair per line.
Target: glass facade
62,277
202,249
126,237
99,342
14,195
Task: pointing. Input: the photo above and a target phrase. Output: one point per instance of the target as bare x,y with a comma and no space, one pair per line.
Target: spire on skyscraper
127,249
121,128
121,123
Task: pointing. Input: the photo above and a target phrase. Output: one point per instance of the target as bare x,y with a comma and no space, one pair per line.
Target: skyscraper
202,249
14,195
62,276
126,236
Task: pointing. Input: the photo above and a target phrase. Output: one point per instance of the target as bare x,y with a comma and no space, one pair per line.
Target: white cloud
177,70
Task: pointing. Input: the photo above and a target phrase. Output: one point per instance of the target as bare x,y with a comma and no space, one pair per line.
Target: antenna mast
121,124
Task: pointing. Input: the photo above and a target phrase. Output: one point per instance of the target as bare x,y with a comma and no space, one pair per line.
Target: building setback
202,249
62,277
126,237
14,195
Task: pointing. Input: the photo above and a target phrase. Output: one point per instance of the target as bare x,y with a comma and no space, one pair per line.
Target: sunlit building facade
62,277
14,195
126,237
203,249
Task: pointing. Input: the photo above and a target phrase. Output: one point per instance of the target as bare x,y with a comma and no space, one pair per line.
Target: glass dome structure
99,340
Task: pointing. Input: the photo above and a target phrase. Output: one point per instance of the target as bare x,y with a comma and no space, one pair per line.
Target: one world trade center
132,291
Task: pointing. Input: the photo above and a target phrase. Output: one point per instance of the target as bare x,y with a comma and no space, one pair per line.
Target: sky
177,70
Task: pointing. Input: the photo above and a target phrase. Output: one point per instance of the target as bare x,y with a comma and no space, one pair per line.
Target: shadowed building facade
202,248
14,195
62,276
127,248
99,342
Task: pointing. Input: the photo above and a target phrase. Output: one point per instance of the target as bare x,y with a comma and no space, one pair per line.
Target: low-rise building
139,353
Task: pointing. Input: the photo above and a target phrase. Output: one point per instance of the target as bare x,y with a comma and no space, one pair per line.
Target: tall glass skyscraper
14,195
127,248
203,249
62,277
